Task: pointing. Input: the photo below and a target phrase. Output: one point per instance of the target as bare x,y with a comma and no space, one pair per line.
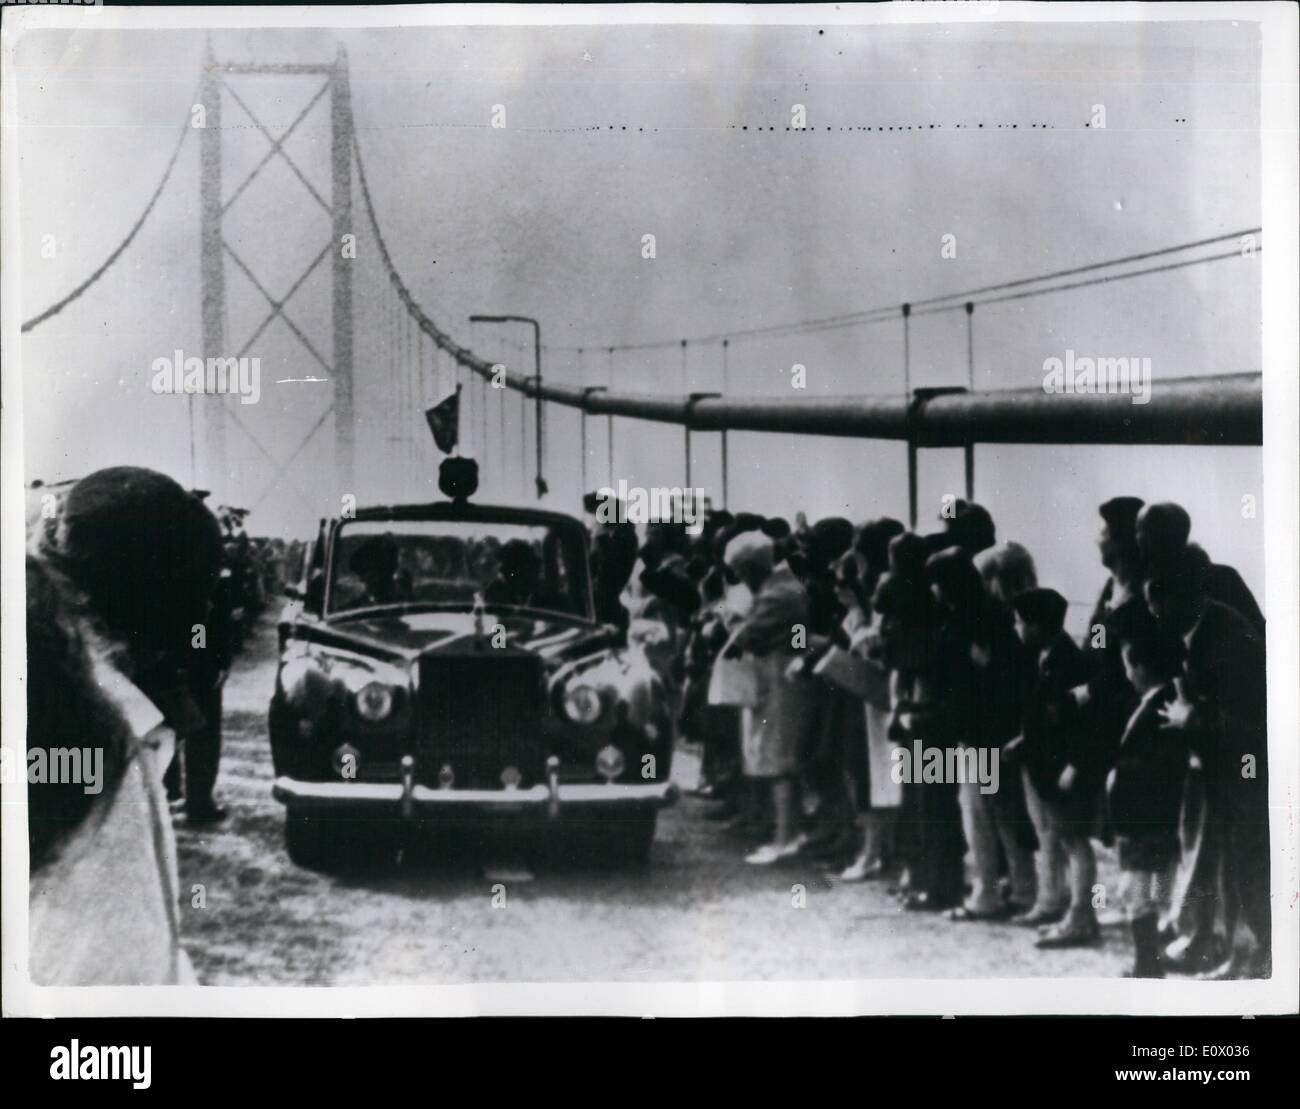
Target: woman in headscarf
776,727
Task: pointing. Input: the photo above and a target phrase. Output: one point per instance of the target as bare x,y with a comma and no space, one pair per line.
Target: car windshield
449,562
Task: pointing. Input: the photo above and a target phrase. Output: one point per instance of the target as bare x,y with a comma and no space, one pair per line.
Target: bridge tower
219,82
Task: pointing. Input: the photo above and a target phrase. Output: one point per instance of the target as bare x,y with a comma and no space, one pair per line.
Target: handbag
735,681
854,675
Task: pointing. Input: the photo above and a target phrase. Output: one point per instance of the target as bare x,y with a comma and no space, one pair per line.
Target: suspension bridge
388,358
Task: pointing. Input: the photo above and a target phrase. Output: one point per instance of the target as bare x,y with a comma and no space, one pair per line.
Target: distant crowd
835,675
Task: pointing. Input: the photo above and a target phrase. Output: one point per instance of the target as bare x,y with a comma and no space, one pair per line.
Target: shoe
967,914
1069,935
926,903
862,870
771,853
211,813
1229,970
1040,916
1195,955
902,887
1112,918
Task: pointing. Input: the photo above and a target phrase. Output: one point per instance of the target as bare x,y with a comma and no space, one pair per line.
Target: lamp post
539,481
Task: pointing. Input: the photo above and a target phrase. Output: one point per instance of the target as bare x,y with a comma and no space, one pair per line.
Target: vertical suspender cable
582,438
726,500
482,418
686,424
609,430
523,426
970,384
911,440
501,433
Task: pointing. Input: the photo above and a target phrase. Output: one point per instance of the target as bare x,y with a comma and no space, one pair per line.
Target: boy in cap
1144,790
1062,764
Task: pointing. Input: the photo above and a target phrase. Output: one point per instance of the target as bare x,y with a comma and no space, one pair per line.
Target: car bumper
404,799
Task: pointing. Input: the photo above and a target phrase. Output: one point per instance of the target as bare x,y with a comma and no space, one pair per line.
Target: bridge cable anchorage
886,313
1232,404
60,305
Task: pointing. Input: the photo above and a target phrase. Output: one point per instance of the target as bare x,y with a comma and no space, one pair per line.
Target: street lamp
537,378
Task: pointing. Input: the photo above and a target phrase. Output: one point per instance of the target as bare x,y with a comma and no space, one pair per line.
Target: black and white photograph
650,510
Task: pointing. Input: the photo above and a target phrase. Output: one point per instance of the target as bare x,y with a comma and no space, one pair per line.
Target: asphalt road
698,912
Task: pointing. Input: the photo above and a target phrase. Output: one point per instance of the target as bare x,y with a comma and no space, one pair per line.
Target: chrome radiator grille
480,714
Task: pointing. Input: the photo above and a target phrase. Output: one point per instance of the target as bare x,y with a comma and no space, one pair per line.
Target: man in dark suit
205,675
1222,709
1163,531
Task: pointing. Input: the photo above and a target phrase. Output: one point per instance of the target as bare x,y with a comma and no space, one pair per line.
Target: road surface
698,912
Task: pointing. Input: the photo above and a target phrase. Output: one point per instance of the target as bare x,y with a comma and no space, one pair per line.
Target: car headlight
582,704
374,701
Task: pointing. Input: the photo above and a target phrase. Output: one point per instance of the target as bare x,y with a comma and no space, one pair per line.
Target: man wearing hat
1221,708
115,594
775,730
147,555
1163,531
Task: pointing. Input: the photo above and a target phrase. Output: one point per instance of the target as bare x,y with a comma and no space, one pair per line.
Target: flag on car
444,422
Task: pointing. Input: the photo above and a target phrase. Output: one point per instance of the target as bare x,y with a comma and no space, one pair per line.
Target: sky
615,133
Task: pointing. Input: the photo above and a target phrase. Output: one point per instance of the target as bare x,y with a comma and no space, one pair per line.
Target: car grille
480,714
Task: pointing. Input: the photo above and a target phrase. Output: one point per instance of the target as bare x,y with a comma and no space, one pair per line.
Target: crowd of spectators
809,658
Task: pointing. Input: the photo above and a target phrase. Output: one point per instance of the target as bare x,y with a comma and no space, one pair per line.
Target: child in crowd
1064,771
1144,790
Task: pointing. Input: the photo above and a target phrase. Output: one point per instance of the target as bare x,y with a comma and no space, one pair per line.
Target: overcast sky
545,217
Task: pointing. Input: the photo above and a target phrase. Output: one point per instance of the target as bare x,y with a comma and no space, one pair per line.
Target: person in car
519,580
375,562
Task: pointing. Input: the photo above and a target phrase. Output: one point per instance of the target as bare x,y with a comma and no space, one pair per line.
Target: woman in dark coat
925,663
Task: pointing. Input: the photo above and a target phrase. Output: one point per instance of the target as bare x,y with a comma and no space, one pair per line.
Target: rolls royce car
441,664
